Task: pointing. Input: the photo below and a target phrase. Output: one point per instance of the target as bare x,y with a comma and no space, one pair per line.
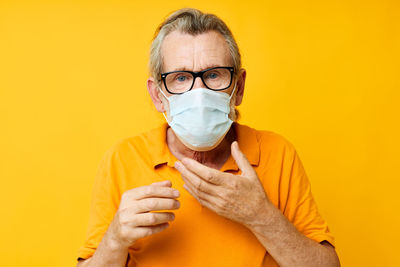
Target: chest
197,236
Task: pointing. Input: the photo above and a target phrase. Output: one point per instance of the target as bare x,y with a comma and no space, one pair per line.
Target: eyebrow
187,69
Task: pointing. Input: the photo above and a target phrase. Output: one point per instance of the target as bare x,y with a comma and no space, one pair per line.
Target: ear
154,92
240,86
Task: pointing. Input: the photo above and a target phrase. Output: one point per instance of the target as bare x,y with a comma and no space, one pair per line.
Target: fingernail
237,145
176,193
178,164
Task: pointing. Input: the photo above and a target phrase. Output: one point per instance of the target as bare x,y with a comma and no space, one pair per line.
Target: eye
212,75
181,78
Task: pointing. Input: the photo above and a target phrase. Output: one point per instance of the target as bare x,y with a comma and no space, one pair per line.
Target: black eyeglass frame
195,75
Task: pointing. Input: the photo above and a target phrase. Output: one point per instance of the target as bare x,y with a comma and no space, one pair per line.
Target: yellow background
324,74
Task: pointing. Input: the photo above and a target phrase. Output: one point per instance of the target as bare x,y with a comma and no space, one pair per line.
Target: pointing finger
209,174
241,160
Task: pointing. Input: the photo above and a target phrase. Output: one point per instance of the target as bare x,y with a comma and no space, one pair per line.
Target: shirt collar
246,138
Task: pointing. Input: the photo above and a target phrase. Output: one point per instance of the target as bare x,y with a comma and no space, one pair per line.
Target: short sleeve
103,206
301,208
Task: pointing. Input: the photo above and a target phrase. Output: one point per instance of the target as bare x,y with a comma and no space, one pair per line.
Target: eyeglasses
179,82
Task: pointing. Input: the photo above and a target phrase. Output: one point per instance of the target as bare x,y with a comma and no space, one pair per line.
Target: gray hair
191,21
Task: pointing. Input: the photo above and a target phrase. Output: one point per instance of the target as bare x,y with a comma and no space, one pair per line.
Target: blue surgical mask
200,117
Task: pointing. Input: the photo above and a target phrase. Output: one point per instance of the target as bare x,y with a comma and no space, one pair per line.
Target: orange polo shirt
198,236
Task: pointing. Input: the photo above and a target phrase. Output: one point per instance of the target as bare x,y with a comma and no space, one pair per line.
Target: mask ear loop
234,88
233,91
168,102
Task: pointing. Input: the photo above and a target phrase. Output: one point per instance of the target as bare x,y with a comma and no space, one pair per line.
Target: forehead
183,51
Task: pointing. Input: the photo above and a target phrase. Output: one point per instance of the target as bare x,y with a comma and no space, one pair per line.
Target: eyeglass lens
179,82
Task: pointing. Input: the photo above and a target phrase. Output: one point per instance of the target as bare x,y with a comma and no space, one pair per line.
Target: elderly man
244,197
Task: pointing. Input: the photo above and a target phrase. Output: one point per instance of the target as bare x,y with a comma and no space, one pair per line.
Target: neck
214,158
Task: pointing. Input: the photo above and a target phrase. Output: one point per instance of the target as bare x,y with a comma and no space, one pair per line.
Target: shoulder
140,146
267,140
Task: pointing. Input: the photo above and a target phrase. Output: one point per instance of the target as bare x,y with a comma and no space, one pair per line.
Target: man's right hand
134,219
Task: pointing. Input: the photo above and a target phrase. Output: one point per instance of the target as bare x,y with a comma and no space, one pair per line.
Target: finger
209,174
241,160
153,218
202,195
202,200
143,231
195,180
152,191
163,183
153,204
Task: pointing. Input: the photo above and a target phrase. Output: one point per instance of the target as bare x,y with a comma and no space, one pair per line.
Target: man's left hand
240,198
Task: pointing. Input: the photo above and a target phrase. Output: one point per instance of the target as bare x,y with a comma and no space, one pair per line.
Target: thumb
241,160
